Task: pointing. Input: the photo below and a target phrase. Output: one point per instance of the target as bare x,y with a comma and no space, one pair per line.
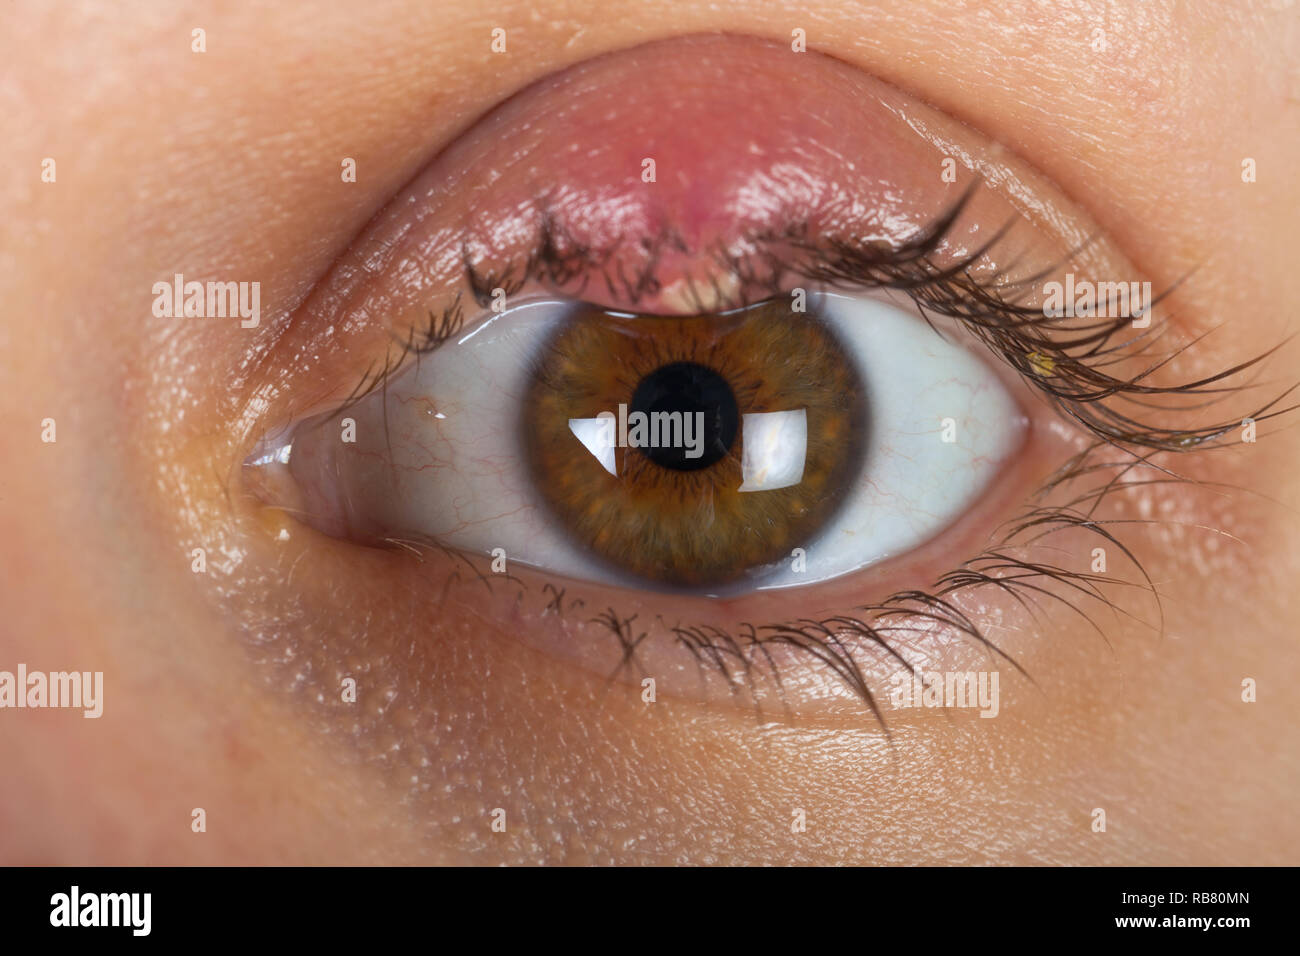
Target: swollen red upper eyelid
711,140
674,159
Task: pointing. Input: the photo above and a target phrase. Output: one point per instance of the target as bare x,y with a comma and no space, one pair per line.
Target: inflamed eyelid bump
667,197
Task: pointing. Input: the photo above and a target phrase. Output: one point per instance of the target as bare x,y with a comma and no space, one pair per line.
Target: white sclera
775,446
913,484
451,434
457,473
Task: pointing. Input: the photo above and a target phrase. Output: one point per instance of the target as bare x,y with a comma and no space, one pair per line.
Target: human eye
778,445
967,452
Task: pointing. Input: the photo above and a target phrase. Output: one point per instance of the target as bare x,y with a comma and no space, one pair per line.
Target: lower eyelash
743,654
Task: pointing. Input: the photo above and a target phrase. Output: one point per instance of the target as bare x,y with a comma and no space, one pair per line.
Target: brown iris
635,430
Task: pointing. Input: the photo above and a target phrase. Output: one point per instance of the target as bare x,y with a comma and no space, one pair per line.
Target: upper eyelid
374,258
1009,329
381,368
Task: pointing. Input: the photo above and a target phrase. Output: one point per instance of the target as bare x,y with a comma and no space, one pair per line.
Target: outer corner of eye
689,453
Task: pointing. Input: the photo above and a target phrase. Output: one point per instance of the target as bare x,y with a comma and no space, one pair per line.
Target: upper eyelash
1079,387
988,305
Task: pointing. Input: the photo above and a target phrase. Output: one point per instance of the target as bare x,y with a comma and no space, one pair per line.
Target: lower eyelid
834,669
414,603
590,625
596,627
414,628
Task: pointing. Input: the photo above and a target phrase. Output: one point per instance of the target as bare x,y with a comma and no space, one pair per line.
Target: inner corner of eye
781,444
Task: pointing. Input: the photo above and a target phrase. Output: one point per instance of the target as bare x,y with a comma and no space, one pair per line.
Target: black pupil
687,388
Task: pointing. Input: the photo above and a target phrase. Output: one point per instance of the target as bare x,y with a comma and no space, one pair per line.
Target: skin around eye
223,686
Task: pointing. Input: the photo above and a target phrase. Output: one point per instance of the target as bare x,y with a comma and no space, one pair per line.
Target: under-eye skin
837,191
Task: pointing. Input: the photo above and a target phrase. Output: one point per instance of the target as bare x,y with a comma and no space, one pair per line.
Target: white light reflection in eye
598,438
776,444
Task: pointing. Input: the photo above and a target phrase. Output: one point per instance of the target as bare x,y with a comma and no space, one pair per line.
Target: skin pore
226,163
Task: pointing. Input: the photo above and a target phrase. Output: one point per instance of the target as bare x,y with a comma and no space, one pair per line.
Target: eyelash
1075,384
